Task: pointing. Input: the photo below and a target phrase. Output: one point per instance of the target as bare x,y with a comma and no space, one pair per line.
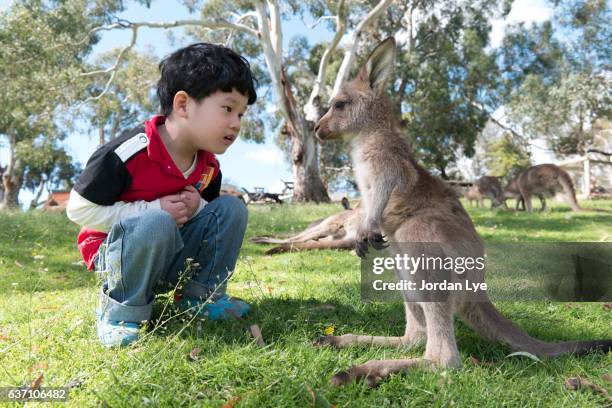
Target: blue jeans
145,254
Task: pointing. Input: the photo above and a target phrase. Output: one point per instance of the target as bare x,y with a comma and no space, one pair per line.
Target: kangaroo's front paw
366,238
377,240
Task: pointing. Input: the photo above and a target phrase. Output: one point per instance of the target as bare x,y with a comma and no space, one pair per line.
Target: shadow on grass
285,322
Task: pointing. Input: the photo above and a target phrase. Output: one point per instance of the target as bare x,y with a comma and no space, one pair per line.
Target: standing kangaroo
545,180
512,191
403,201
486,187
337,231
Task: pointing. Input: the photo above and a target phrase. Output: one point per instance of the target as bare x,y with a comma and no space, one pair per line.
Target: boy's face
213,123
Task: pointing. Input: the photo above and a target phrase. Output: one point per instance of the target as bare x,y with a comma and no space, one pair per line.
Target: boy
149,199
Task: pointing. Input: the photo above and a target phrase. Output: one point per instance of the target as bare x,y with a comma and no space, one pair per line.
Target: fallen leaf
231,402
18,264
269,289
607,307
579,383
256,333
607,377
193,355
524,354
36,383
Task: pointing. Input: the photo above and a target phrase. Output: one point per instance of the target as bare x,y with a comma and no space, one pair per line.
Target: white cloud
526,11
271,156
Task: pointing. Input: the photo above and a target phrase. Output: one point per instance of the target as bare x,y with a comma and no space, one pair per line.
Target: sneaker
224,308
112,333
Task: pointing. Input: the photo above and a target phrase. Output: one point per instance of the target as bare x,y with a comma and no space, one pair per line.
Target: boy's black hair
202,69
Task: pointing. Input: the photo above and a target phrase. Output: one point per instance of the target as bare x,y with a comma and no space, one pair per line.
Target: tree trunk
11,179
116,123
101,138
443,174
308,185
41,186
2,169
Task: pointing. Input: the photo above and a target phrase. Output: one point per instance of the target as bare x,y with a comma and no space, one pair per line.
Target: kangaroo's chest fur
420,205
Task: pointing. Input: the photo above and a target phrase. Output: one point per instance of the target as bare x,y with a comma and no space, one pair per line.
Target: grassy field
47,327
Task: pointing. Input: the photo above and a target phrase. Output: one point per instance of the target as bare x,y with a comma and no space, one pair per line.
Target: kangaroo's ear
380,64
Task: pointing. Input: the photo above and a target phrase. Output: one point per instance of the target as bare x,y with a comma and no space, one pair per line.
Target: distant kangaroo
512,191
474,194
403,201
486,187
545,180
337,231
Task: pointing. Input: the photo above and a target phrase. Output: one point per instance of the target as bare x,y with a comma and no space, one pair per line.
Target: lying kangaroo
545,180
486,187
337,231
403,201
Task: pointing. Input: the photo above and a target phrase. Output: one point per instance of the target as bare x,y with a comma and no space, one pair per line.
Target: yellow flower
329,330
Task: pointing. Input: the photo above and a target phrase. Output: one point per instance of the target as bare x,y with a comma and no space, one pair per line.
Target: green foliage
42,47
506,158
449,75
129,100
559,88
45,161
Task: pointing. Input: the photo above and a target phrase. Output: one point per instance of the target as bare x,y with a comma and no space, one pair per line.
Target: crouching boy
149,200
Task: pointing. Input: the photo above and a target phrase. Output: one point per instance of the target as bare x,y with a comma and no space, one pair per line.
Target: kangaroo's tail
568,188
488,322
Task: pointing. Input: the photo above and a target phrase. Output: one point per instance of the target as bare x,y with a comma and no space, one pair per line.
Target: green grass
47,299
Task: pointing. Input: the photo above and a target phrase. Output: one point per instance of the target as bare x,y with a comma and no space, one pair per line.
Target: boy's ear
380,65
179,104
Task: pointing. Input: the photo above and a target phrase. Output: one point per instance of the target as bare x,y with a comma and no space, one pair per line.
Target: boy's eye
228,109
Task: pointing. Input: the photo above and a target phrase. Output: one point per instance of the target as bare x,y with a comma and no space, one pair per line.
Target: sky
246,164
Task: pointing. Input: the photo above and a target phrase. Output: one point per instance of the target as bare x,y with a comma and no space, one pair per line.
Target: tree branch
311,109
112,70
276,33
273,60
496,121
123,24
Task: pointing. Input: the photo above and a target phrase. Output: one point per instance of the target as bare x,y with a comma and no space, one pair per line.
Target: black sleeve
104,179
212,191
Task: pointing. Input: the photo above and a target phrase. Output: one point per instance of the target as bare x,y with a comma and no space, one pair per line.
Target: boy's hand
176,207
191,197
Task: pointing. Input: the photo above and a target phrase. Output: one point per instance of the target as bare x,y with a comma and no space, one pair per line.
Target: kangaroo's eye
339,105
